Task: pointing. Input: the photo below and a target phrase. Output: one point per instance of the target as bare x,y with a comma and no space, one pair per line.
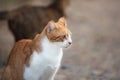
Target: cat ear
51,26
63,20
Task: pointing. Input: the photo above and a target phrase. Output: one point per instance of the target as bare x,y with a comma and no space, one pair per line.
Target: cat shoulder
23,44
22,47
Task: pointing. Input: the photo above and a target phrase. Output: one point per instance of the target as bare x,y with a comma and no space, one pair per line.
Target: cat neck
46,47
50,47
49,51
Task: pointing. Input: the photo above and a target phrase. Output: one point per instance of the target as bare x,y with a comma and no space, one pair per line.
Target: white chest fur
45,64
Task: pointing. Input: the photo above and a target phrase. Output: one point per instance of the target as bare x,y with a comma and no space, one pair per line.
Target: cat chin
66,46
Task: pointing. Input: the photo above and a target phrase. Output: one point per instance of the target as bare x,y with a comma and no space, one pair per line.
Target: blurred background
95,27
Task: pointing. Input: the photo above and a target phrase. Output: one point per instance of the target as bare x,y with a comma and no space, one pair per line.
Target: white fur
44,65
66,41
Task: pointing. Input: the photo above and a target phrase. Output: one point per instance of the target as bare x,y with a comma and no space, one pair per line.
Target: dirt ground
95,52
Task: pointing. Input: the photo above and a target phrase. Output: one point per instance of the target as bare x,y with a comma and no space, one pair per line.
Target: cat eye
63,36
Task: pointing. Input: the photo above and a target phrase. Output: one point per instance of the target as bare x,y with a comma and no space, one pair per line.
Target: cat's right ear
51,26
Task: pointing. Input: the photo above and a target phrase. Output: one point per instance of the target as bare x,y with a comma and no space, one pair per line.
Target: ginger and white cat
40,58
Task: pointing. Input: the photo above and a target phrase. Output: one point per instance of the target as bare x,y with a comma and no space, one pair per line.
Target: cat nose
70,43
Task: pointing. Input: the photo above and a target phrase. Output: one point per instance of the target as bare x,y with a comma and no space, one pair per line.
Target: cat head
58,33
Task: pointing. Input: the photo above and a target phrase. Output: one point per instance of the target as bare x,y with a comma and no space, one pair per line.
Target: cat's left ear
63,20
51,26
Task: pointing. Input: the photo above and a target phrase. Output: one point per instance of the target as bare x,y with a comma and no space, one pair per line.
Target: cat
26,21
39,58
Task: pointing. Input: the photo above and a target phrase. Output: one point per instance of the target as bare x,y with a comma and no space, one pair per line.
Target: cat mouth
67,46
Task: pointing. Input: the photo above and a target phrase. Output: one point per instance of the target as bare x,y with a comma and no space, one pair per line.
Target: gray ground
95,53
